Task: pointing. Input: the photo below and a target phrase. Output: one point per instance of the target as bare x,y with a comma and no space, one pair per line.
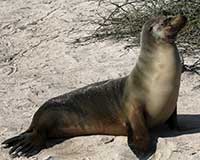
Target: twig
195,67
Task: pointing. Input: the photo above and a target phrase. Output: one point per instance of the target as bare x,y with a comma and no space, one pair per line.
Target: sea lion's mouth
175,24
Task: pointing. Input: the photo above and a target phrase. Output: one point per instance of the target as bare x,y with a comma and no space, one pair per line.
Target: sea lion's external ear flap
150,28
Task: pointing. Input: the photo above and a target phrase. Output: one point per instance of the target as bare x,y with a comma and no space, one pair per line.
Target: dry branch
127,18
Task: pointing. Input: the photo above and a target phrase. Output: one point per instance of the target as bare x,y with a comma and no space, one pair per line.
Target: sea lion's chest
161,102
163,87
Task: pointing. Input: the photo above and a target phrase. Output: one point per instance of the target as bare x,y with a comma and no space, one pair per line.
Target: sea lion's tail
22,145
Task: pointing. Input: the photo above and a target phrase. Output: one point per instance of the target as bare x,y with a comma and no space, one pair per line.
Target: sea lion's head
163,29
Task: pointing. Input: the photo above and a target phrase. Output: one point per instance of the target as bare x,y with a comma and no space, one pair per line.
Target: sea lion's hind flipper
26,144
30,150
12,141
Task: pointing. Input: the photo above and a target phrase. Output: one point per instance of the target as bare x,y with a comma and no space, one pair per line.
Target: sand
38,60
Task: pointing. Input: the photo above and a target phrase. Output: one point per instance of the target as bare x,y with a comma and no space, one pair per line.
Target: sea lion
126,106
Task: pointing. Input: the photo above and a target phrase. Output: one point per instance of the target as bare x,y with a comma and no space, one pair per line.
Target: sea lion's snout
179,21
167,28
173,26
176,24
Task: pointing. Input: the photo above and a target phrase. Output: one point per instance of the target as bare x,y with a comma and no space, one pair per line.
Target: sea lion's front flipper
172,122
138,135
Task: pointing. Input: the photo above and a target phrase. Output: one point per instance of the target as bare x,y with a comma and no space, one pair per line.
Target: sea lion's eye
163,24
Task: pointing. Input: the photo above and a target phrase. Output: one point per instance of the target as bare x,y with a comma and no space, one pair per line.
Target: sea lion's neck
154,53
152,47
153,60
